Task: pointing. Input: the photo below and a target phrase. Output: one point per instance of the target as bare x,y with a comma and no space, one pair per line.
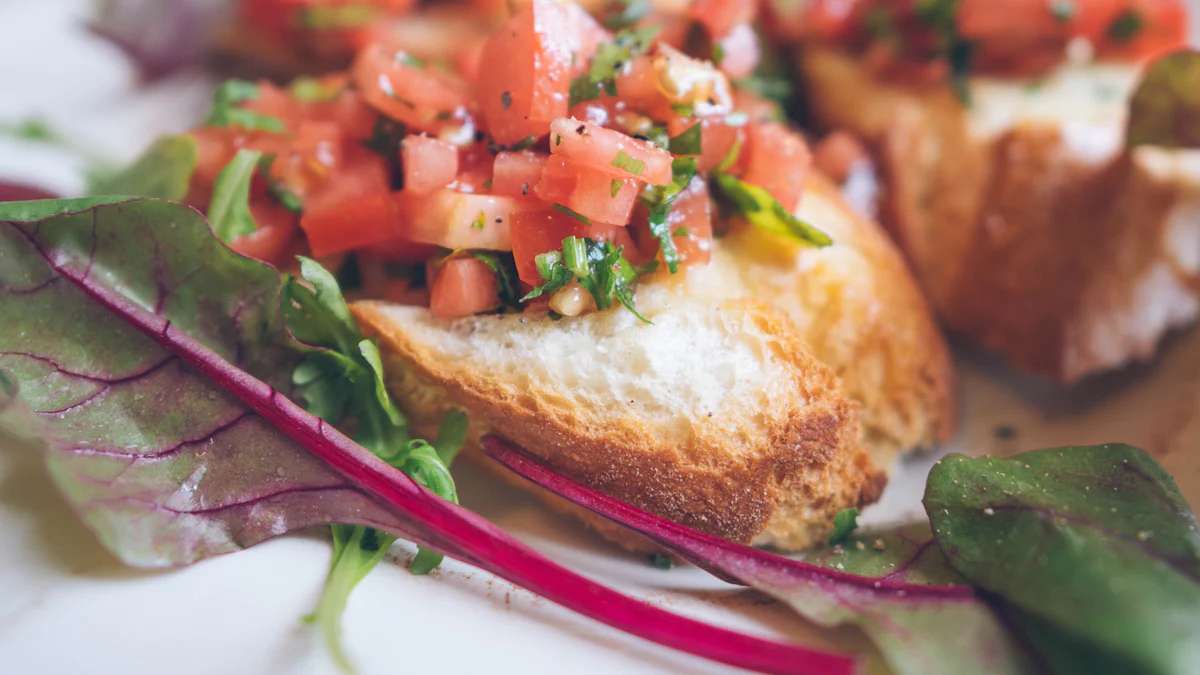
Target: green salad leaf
229,211
163,171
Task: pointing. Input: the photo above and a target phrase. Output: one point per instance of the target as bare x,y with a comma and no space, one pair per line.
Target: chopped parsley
685,109
626,163
505,269
335,16
688,142
766,213
1126,26
599,267
624,13
312,90
660,201
681,232
286,198
614,188
226,111
574,214
610,57
479,221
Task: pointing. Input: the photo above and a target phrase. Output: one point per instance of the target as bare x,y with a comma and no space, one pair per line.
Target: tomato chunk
596,196
610,152
690,221
537,232
776,159
352,209
455,220
424,98
461,287
516,173
525,73
428,163
276,238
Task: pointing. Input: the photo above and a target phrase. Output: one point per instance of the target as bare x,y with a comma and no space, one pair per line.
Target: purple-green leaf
155,364
1093,543
1165,107
915,609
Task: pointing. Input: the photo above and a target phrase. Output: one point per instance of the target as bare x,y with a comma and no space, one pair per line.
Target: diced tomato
455,220
516,173
537,232
720,17
776,159
610,152
352,209
596,196
739,51
668,81
463,286
276,237
525,75
1139,29
426,99
717,138
428,163
692,213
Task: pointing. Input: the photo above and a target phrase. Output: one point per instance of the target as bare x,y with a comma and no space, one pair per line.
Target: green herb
404,58
684,109
1126,26
662,562
607,63
557,140
941,17
479,221
681,232
688,142
343,382
164,171
626,163
1063,10
660,203
765,212
577,216
229,211
386,137
656,134
614,187
31,130
880,24
731,158
600,268
323,17
763,86
506,100
625,13
718,54
1165,107
844,524
505,269
312,90
226,111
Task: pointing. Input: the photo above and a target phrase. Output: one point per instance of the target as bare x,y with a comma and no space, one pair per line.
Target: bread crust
1021,243
782,489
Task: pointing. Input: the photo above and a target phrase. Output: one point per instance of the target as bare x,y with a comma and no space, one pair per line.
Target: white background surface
67,607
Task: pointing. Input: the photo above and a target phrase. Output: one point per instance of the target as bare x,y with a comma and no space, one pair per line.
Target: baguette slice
1029,225
755,338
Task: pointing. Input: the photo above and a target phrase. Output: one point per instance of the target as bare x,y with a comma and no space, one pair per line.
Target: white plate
67,607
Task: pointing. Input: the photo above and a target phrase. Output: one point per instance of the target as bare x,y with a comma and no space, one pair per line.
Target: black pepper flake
499,220
641,137
525,188
581,129
479,136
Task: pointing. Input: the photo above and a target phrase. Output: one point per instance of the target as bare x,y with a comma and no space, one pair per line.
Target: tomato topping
776,159
525,74
721,17
425,99
516,173
690,222
461,287
454,219
276,239
596,196
352,209
610,152
537,232
428,163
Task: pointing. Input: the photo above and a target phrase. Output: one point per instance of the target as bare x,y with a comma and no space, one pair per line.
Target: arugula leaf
1094,543
1165,107
765,212
844,524
164,171
229,211
226,111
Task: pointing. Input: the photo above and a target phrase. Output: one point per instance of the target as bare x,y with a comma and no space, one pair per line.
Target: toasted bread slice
626,406
1030,226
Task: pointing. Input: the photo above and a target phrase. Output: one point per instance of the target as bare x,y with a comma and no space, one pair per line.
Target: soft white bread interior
1031,227
736,411
716,415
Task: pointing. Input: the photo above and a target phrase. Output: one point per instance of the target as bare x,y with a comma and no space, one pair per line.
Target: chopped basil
577,216
310,90
614,188
685,109
688,142
626,163
682,172
607,63
335,16
479,221
600,268
226,111
1126,26
681,232
555,274
765,212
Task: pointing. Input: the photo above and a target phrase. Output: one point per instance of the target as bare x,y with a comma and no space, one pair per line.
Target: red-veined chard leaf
915,609
155,363
1165,107
1094,545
